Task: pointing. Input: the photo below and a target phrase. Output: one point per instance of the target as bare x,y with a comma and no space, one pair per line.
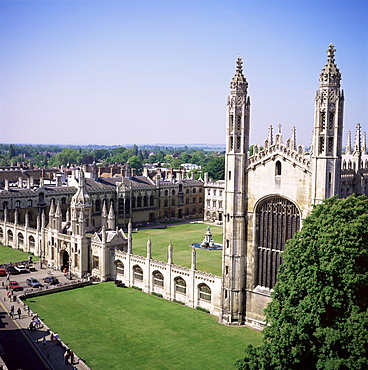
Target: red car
14,285
3,272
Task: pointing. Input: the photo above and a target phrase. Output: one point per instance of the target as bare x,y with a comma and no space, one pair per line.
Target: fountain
208,242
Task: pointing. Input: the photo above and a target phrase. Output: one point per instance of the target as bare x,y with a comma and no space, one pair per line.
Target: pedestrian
71,357
52,338
11,314
38,323
66,357
8,277
19,311
44,342
56,338
28,311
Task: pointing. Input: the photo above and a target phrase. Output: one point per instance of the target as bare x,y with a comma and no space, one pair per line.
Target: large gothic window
278,220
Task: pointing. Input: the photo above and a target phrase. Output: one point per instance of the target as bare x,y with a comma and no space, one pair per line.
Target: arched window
137,273
180,285
194,190
180,188
166,193
193,200
158,278
187,191
200,200
277,220
278,168
166,203
10,236
151,201
173,192
98,205
17,204
204,292
133,202
5,205
1,233
121,206
119,268
29,203
31,242
127,205
139,202
63,200
145,201
20,239
173,202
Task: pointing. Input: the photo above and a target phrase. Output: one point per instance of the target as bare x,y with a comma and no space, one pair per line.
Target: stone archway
64,260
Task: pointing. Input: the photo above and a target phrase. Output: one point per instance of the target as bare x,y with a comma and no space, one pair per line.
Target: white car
22,269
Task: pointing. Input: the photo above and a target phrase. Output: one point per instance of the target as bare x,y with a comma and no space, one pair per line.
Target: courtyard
181,236
115,328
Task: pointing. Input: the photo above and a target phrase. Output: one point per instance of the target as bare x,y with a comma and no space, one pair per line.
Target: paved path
21,348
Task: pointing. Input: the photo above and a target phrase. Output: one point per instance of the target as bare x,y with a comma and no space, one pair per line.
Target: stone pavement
52,355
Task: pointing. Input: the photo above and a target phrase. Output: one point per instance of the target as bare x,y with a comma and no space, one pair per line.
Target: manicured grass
116,328
181,237
13,255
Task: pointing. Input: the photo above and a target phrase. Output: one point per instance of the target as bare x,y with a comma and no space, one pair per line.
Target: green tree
318,318
101,154
215,168
40,160
135,162
66,156
12,152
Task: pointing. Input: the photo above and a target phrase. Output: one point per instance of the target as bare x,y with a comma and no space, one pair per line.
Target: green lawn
13,255
181,237
116,328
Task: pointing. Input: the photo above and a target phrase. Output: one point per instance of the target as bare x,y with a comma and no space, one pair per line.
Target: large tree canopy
318,318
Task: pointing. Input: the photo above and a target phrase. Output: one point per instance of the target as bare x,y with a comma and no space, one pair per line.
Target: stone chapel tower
235,224
327,133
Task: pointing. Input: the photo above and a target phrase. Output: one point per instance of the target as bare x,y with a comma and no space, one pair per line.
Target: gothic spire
239,83
348,144
330,74
358,142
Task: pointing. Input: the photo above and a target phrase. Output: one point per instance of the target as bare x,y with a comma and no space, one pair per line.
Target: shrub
157,294
202,309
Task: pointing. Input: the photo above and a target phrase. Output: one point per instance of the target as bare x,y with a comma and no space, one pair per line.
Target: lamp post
70,268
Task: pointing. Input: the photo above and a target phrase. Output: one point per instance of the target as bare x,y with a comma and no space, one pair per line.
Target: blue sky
147,72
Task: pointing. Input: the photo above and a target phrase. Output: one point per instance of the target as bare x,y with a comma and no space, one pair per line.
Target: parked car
22,269
34,283
3,272
14,285
12,271
51,280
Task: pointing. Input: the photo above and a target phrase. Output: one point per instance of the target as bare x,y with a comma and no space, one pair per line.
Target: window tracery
278,220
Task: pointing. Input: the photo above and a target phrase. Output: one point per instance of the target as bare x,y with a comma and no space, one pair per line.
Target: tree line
48,156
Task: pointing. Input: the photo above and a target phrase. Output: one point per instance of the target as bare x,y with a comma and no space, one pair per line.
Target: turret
111,218
236,161
327,132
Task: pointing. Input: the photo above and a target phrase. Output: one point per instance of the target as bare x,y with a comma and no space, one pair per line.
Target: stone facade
269,193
